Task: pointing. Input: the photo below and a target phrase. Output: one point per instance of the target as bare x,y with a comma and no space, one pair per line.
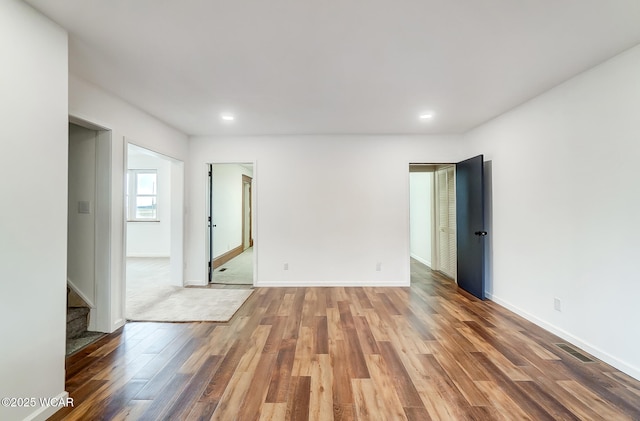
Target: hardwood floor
428,352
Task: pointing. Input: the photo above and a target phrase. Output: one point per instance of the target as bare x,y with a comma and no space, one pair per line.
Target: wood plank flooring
429,352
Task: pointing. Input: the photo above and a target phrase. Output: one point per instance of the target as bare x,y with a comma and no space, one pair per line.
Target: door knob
480,233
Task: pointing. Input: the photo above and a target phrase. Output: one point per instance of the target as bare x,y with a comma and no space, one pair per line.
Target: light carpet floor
76,344
174,304
237,271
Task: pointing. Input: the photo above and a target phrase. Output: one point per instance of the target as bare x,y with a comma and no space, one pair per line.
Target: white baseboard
421,260
45,412
77,291
92,320
195,282
278,284
118,324
591,349
165,255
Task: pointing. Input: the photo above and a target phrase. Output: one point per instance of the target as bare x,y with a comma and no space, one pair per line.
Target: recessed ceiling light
227,117
426,116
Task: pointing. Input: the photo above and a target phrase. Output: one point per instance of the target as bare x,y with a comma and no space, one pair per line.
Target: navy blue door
470,233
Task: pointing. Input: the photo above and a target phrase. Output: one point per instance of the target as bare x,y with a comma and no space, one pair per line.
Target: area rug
175,304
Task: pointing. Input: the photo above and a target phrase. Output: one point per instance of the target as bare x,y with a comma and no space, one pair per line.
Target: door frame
247,181
487,263
208,222
176,220
101,315
435,241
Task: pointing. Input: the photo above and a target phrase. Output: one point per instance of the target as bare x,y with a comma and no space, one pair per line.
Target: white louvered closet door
446,211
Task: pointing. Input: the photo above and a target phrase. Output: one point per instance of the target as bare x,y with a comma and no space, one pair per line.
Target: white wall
127,123
420,184
80,225
227,206
33,188
332,207
177,222
566,200
152,239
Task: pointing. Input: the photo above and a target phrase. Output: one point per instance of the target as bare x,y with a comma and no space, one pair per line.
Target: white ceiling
337,66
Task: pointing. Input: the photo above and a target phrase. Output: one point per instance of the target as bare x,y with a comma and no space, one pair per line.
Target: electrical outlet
286,266
378,266
557,304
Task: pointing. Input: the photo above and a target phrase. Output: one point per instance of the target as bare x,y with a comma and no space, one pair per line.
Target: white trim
80,293
101,311
176,223
195,282
254,219
420,259
45,412
121,287
100,317
149,255
372,284
593,350
86,123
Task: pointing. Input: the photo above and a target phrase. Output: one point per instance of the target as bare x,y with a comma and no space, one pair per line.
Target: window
142,195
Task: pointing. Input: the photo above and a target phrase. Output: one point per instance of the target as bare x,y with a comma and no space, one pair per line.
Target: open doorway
459,219
88,236
433,217
153,209
230,224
